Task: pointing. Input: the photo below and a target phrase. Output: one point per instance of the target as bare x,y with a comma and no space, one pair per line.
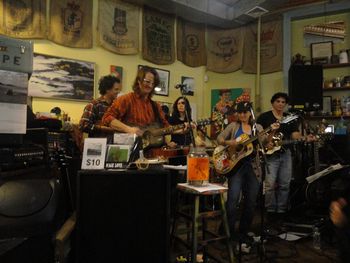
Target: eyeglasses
148,82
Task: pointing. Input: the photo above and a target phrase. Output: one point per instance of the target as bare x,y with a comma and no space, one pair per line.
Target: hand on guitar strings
269,144
135,130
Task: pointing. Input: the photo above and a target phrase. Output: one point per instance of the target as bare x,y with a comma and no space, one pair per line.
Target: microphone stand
189,118
263,164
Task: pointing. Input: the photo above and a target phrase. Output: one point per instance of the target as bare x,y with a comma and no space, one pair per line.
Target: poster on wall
117,71
61,78
13,102
223,101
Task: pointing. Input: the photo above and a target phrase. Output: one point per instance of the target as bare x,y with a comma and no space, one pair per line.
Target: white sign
94,153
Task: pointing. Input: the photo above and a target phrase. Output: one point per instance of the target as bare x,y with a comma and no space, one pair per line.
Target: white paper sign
94,153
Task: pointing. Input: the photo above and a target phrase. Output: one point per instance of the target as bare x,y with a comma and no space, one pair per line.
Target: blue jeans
244,179
280,172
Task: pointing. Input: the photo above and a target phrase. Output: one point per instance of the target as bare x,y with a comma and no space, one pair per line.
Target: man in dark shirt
90,122
279,162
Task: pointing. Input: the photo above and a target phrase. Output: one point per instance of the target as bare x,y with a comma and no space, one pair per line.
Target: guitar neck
251,139
172,128
167,130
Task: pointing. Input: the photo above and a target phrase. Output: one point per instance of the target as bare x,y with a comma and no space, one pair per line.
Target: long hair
141,73
176,112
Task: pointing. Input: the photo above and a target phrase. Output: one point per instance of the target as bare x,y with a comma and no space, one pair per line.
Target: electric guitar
278,141
225,158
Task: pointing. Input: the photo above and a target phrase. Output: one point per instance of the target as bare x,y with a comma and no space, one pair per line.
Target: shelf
336,65
336,89
326,117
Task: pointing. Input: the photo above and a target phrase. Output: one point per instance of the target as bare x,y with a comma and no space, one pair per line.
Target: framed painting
117,71
164,77
321,50
188,85
61,78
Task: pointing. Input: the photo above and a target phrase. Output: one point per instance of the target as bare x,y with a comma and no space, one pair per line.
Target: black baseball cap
243,106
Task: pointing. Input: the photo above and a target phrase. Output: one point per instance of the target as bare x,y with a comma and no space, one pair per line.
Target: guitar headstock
203,122
218,118
289,118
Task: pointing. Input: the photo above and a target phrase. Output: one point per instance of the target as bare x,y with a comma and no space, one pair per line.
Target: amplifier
19,157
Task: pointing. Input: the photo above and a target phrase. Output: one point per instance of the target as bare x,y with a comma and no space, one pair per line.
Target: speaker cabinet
123,216
305,85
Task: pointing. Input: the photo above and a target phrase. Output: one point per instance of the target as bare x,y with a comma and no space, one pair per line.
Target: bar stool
192,215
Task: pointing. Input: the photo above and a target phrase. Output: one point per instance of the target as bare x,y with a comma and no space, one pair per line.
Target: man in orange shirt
135,111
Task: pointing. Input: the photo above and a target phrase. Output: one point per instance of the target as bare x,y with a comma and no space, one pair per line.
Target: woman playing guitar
244,176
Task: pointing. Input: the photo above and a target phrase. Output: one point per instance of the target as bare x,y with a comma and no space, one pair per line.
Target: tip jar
198,167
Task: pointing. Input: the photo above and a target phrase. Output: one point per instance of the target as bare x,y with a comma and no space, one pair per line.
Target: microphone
180,86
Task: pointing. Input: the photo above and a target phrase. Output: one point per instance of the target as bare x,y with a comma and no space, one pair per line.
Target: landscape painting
61,78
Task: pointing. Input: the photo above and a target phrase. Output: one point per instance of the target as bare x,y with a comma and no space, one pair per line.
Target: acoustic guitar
225,159
154,136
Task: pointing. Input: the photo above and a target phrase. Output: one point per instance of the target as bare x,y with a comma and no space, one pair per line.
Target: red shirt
133,110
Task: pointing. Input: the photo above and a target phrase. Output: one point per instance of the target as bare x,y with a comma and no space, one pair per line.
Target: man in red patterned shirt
90,122
133,112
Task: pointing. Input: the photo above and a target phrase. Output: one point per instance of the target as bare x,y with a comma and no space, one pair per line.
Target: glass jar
198,167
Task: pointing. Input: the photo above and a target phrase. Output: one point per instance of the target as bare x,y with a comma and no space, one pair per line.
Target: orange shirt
133,110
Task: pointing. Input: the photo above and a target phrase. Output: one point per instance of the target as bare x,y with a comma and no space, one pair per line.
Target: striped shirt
93,113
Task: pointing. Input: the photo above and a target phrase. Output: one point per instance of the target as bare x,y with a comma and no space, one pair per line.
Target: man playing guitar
280,162
136,110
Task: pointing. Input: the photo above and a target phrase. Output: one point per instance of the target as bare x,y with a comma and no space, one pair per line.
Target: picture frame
61,78
164,78
327,104
188,84
321,50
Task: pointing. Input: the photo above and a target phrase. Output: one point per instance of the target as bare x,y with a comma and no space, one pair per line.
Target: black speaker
123,216
305,85
30,214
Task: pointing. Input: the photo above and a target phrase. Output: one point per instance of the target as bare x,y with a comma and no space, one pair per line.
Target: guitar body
151,140
225,159
153,136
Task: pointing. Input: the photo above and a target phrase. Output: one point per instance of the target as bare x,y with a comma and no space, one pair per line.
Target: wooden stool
194,215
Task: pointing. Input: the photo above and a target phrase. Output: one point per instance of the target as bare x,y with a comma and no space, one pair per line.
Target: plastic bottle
198,167
316,236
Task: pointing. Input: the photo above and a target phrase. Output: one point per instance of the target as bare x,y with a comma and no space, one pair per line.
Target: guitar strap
156,112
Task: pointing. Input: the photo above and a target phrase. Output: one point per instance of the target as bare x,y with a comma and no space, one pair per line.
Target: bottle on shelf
336,107
343,57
